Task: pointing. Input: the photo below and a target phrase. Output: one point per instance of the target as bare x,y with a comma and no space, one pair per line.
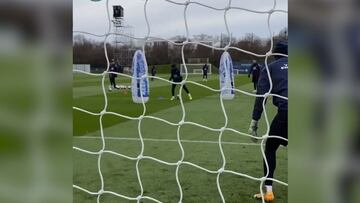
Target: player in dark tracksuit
255,72
205,72
176,77
153,72
279,76
112,76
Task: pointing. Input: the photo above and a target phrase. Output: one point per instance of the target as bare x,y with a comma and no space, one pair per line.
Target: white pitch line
168,140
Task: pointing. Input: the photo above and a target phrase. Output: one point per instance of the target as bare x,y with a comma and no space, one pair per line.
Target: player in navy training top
255,72
176,77
153,72
279,126
112,76
205,72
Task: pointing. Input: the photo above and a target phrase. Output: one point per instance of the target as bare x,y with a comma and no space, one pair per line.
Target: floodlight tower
123,42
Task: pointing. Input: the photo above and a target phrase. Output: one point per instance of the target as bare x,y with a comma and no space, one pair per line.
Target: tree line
89,51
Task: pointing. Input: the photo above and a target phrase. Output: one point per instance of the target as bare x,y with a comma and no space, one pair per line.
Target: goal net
196,69
143,195
236,72
82,67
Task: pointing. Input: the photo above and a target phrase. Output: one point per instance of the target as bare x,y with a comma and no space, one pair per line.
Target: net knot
101,191
140,157
138,198
183,82
221,170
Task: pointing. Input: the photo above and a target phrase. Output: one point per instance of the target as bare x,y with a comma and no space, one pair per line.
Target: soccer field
160,141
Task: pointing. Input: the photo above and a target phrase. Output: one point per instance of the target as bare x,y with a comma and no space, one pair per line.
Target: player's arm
250,71
263,87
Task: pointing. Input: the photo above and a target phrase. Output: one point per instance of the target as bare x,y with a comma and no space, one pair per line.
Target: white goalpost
236,72
188,67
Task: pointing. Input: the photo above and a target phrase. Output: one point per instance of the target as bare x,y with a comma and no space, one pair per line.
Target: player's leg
255,81
173,91
114,83
278,128
272,145
111,82
187,91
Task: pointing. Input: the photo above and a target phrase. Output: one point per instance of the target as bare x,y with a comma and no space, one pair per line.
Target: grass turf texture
158,179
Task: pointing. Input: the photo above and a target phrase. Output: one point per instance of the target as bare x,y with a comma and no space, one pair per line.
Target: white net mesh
228,6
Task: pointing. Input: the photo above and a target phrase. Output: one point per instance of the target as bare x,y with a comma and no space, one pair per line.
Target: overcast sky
166,19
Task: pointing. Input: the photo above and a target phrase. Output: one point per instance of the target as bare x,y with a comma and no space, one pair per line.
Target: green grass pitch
200,145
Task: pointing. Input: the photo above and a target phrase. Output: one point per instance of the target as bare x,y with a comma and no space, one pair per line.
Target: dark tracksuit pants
112,81
255,81
152,74
173,89
205,75
279,127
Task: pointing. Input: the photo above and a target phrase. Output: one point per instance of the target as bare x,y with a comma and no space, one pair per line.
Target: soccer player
153,72
176,77
205,72
255,72
279,76
112,76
